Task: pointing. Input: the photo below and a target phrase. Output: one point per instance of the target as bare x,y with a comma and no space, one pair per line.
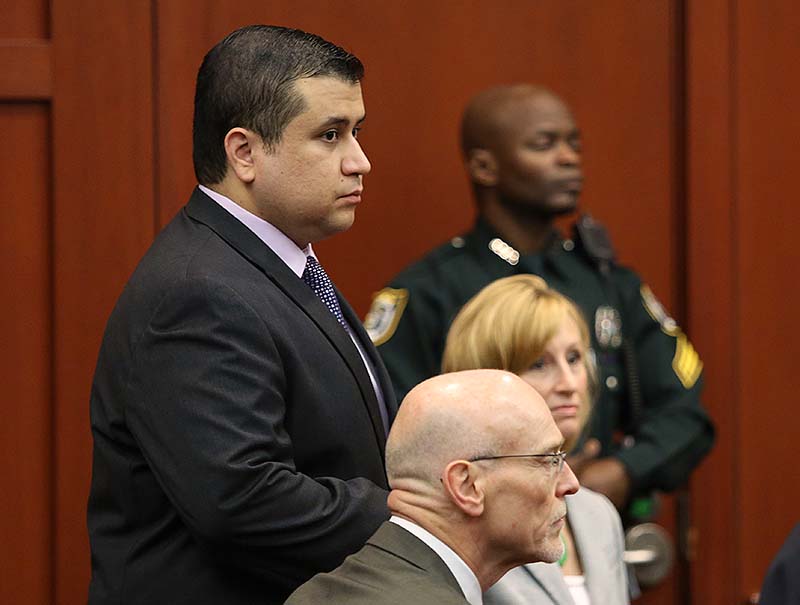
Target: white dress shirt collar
273,237
465,577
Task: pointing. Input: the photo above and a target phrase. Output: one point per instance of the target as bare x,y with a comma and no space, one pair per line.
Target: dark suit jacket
238,445
394,568
782,582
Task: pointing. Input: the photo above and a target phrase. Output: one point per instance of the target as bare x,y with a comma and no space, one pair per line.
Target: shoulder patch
686,363
656,310
384,314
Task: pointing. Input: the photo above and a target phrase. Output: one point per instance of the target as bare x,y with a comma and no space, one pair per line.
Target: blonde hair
507,325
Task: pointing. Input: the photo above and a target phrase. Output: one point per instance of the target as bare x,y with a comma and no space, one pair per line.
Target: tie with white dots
316,278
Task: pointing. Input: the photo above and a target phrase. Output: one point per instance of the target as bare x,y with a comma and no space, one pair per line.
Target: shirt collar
465,577
273,237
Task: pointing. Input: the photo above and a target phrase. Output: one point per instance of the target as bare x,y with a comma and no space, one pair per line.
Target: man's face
525,503
310,183
538,156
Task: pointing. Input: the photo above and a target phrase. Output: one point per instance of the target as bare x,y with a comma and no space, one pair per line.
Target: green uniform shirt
408,321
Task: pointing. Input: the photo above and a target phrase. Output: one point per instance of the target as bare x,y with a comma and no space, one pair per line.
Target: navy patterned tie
316,278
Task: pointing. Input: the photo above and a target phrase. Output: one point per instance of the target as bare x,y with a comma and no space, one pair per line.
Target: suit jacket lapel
550,578
208,212
581,520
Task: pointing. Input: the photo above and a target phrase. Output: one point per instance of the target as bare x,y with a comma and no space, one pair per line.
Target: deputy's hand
607,476
579,458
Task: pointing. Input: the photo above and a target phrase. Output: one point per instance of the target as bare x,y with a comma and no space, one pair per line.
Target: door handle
649,552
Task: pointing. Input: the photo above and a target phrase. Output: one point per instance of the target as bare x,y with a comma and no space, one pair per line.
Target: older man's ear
464,484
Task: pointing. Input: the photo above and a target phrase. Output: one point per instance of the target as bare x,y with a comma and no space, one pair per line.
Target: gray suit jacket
598,533
394,568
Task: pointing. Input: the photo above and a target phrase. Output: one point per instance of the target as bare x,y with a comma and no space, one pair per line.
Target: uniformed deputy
522,152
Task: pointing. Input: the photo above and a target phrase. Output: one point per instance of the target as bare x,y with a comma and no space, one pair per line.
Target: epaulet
447,250
593,239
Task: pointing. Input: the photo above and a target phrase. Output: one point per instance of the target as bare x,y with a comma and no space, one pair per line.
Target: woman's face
559,376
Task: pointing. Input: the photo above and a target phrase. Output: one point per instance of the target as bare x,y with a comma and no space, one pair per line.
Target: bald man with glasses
478,482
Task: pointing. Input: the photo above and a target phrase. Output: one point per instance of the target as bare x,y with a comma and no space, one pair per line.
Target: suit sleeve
207,408
675,432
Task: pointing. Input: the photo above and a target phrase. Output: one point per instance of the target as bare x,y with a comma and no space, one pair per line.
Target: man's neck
235,192
486,570
465,544
527,232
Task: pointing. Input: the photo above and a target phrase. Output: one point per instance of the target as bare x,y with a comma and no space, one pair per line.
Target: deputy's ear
482,167
239,145
463,483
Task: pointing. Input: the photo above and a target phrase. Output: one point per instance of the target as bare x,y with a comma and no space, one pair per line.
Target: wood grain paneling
25,70
24,19
743,299
711,255
25,372
768,39
26,432
103,222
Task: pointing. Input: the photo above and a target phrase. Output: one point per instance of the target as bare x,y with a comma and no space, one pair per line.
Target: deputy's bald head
461,415
494,113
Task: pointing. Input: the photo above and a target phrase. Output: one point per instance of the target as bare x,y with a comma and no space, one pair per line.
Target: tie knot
316,279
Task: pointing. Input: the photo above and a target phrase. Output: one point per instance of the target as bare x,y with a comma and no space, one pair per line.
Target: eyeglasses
556,462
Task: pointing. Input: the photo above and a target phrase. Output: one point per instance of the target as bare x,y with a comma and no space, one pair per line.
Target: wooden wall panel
712,205
25,70
24,19
103,221
26,504
25,372
768,293
743,300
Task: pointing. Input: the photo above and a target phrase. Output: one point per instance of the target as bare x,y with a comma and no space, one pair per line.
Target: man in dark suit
478,485
782,582
239,411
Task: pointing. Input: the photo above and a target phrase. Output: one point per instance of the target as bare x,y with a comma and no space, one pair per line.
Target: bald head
462,415
462,459
522,152
493,114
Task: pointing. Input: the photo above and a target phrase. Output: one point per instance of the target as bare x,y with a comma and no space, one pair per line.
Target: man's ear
482,167
239,144
463,483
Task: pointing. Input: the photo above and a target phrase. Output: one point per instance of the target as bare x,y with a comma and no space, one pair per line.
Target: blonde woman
520,325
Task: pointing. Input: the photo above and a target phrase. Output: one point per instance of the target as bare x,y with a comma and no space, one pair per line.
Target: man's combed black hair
247,80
